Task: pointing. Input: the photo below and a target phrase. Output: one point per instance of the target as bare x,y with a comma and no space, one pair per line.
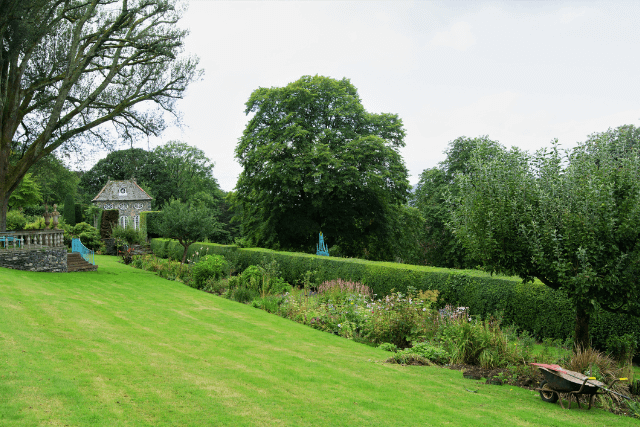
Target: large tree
54,179
314,160
570,219
439,246
73,71
188,171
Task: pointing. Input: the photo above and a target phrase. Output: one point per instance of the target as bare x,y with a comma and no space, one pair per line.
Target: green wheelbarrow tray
559,380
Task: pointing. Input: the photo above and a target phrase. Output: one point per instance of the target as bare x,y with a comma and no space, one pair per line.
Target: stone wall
44,259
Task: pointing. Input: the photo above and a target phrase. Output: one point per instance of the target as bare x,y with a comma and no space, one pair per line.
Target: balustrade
32,239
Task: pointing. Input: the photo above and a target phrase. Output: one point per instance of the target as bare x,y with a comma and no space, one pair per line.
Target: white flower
424,309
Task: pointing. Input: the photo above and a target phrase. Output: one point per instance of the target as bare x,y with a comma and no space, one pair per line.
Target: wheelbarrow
559,380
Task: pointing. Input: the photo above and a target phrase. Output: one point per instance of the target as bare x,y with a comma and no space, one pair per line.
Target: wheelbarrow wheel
548,395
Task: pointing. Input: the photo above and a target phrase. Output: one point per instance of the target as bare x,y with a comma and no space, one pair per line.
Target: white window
124,221
122,192
136,222
138,206
108,206
123,206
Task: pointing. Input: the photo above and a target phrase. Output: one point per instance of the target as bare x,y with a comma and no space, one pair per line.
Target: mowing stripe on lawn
123,347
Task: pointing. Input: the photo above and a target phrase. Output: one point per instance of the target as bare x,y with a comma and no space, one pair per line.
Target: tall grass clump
334,289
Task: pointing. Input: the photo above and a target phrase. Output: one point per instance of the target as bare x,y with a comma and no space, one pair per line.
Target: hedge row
149,224
108,221
532,306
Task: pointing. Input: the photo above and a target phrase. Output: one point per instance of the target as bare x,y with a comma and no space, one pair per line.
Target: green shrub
264,279
38,224
243,295
477,342
234,282
387,346
126,235
209,267
622,348
398,319
88,235
159,247
430,352
277,286
218,287
251,278
16,220
404,358
269,303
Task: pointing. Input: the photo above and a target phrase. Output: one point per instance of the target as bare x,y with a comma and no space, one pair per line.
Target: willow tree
570,219
84,71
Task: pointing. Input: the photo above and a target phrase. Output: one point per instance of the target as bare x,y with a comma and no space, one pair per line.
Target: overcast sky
522,73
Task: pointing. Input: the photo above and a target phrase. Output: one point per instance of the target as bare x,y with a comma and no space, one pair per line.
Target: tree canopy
570,219
54,179
439,246
314,160
173,170
188,171
76,71
27,193
187,223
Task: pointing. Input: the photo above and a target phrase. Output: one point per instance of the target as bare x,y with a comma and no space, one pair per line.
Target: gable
121,191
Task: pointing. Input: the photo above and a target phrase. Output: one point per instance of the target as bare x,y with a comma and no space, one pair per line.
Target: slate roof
111,191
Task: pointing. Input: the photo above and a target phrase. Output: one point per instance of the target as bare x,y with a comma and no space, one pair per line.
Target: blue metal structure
77,246
322,248
7,238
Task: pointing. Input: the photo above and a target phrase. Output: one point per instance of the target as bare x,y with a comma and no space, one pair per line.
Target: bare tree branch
74,72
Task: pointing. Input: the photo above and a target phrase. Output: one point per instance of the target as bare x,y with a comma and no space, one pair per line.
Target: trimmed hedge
532,306
109,220
149,224
79,213
37,210
69,211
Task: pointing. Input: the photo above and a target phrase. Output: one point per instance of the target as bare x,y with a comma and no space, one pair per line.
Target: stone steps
75,262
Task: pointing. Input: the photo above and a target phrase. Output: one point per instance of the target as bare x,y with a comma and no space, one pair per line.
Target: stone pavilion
127,197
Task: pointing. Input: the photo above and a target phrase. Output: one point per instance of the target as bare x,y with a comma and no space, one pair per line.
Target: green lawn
123,347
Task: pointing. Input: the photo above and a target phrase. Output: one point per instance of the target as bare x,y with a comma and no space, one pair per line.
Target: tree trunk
4,207
184,254
583,316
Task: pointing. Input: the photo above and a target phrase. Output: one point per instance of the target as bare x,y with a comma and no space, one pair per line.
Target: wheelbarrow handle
584,382
615,380
608,388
